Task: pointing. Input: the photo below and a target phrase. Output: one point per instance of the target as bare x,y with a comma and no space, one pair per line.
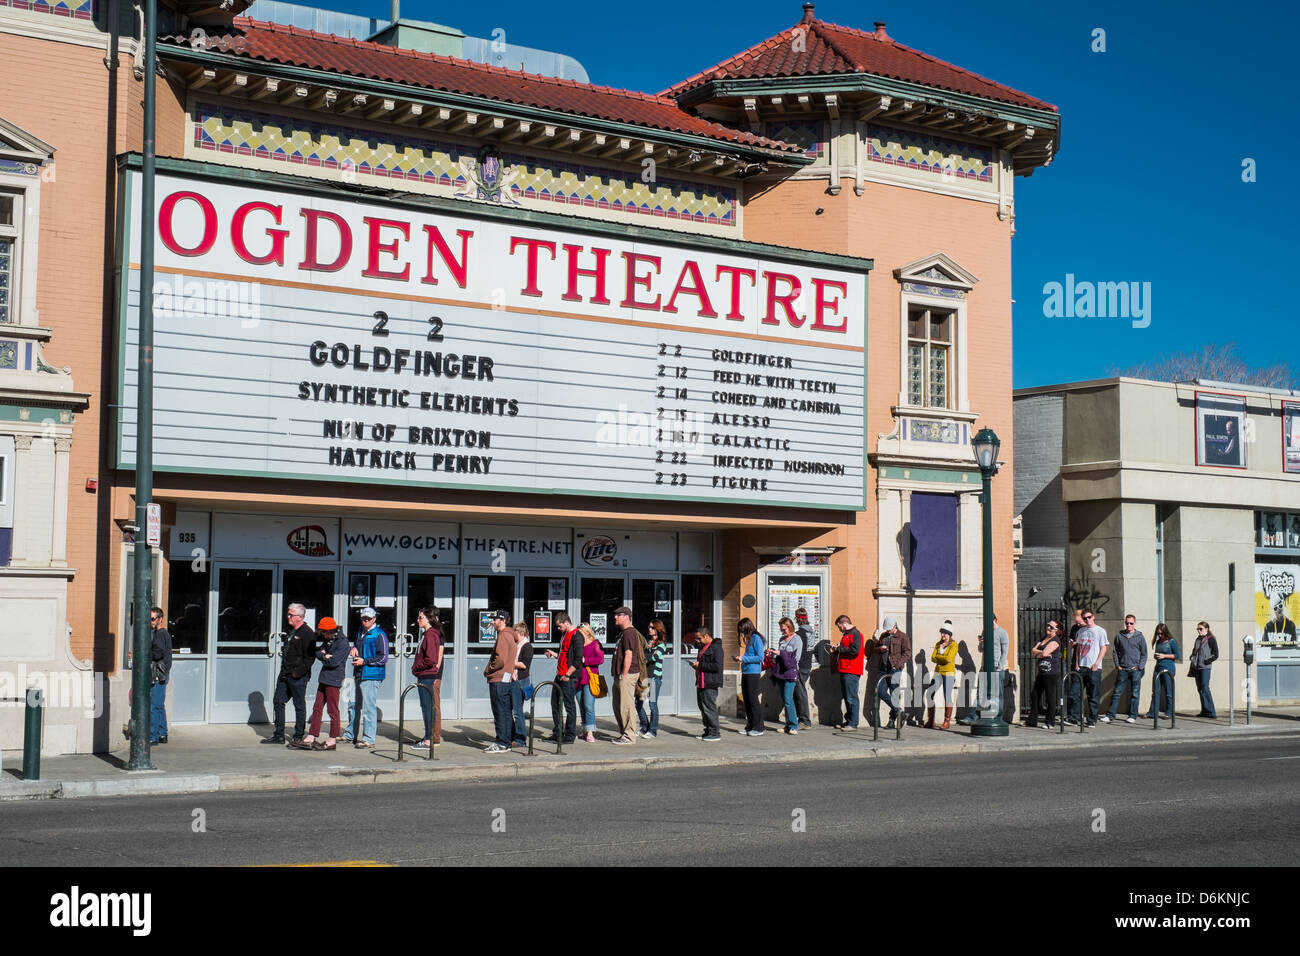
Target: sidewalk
210,758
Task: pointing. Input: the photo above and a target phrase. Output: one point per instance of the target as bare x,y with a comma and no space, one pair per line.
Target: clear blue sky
1147,186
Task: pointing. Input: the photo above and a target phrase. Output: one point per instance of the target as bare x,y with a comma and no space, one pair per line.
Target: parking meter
1248,653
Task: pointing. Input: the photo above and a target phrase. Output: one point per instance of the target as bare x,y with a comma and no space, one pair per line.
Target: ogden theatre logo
309,540
599,550
76,909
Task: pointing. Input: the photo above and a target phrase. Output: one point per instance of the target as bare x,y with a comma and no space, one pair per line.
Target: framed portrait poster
1220,430
1291,436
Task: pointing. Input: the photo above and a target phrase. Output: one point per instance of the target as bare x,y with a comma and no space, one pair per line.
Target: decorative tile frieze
929,154
809,135
16,168
933,290
483,174
72,9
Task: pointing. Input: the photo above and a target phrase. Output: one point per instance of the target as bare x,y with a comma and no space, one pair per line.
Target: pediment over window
936,274
19,145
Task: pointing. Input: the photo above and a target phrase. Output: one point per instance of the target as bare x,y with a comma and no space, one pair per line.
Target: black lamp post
986,445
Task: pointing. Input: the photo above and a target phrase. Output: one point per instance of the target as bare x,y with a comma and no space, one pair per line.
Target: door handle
407,648
273,648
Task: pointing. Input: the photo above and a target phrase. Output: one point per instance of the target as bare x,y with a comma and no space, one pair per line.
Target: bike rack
401,721
532,716
1065,696
1155,710
898,728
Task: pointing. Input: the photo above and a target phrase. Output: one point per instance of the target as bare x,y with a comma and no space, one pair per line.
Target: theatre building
432,332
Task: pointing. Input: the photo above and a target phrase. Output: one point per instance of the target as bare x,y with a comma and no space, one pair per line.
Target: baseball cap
367,613
327,624
501,616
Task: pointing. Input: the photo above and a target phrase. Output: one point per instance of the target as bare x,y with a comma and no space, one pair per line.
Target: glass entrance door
314,589
598,598
245,619
378,590
488,593
655,598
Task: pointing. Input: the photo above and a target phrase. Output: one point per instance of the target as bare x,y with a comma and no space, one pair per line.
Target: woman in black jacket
1204,653
333,652
708,678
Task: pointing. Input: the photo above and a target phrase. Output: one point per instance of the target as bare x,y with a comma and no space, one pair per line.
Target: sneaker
1092,723
362,745
623,741
805,725
793,732
1069,722
709,739
420,745
1105,718
1130,720
649,735
757,733
496,748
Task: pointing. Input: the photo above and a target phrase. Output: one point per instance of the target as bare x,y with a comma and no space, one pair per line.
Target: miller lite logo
309,540
599,550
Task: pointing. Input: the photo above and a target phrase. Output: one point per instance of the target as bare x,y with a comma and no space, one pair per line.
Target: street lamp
985,445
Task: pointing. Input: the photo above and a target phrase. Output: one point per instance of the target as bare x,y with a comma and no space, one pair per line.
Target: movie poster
1277,606
1291,436
1220,427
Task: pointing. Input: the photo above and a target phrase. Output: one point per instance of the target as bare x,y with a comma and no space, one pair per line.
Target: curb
351,777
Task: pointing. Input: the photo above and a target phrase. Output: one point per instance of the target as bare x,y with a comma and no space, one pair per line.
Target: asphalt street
1201,804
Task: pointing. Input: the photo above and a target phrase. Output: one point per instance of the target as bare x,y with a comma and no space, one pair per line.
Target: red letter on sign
533,245
459,270
632,259
598,273
736,272
696,288
786,300
168,235
823,303
310,261
276,254
372,270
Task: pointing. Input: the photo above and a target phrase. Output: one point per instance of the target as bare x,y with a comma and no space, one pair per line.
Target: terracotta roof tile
291,46
829,49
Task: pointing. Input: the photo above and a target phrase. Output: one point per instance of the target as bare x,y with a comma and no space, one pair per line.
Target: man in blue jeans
500,674
370,663
1131,664
852,650
1090,646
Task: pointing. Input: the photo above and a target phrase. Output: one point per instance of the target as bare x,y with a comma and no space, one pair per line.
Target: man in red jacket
849,663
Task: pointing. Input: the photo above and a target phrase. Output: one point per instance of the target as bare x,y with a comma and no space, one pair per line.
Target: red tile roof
827,49
291,46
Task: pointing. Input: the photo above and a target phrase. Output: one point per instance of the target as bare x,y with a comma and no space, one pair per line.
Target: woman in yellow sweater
944,658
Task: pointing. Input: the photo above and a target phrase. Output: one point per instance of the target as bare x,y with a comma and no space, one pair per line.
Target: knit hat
327,624
889,624
946,628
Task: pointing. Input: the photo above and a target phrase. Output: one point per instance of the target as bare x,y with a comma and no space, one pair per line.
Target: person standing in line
332,652
160,664
1047,676
655,674
708,678
369,664
751,669
806,660
991,693
500,674
848,661
427,671
629,663
521,688
785,671
1090,646
895,650
1205,651
297,654
593,655
1131,664
944,658
1165,652
564,695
